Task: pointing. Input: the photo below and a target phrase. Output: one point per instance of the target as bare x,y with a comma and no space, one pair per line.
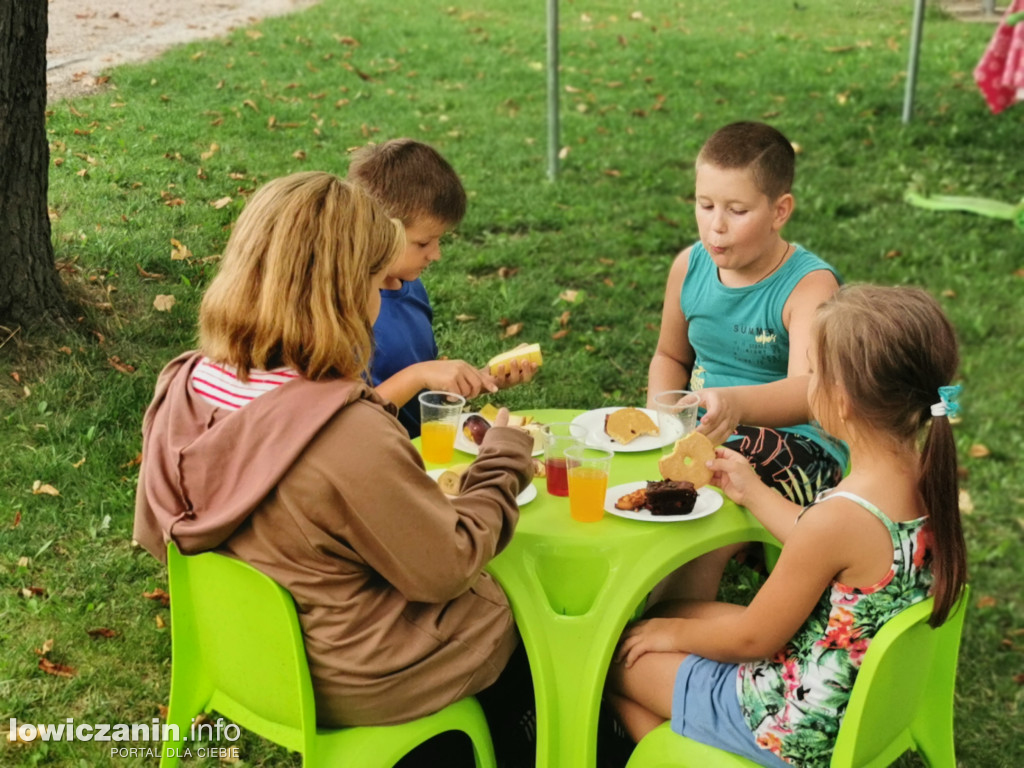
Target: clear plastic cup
439,419
677,415
556,437
588,481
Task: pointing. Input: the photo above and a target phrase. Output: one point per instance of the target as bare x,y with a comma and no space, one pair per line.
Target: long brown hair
891,348
294,285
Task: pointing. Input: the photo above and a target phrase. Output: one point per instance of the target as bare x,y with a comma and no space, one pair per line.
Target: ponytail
938,486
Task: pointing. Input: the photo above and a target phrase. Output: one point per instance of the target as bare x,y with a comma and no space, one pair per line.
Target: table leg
571,604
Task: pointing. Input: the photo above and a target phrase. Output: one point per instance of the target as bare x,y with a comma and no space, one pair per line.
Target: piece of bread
451,479
688,460
627,424
670,497
524,353
633,501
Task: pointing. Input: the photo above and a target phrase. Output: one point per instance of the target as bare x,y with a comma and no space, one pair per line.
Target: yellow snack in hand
524,353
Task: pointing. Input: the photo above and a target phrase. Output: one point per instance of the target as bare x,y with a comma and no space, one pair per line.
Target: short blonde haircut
294,285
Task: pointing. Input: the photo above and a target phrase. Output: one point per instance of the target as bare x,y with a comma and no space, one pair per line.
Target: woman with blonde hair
268,445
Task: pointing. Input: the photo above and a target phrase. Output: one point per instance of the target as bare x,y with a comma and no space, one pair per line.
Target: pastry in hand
688,460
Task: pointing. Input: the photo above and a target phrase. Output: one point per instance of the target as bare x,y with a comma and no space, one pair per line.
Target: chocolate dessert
670,497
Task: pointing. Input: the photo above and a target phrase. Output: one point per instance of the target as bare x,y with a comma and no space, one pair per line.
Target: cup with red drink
558,436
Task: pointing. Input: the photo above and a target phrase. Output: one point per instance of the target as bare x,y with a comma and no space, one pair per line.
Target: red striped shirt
219,385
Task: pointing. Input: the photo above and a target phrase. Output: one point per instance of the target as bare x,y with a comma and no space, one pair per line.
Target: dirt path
88,36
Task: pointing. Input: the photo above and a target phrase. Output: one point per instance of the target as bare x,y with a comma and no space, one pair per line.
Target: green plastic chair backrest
903,697
243,628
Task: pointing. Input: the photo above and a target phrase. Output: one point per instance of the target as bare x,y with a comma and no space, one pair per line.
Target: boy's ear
784,206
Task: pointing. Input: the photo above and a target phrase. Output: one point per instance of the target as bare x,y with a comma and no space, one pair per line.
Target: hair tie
948,404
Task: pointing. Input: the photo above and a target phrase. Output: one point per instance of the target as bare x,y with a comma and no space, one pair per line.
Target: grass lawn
147,178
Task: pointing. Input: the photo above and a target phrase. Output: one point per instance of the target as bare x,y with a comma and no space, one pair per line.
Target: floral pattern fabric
794,702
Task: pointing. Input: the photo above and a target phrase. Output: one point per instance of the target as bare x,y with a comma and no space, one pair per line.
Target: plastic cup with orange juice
439,418
588,481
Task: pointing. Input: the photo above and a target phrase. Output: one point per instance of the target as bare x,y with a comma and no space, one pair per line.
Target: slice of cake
670,497
627,424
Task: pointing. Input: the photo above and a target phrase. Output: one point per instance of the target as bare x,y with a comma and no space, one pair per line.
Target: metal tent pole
552,89
915,54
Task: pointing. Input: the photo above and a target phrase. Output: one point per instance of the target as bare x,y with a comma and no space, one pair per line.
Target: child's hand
734,475
512,373
720,419
649,636
456,376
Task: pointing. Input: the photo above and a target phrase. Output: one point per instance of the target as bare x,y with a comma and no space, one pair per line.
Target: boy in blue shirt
421,189
736,319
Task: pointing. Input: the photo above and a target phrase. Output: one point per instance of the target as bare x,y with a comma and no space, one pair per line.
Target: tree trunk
30,288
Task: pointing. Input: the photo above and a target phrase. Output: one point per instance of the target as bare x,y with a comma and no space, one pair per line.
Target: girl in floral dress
771,680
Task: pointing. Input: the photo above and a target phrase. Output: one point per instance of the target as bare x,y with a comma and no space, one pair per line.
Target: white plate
528,494
708,501
593,421
464,444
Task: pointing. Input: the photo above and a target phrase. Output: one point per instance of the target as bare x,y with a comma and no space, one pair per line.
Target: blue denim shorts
705,708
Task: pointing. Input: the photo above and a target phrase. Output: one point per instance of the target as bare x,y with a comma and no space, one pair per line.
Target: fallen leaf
465,318
506,272
978,451
160,621
564,152
57,670
24,562
101,632
221,202
965,502
251,105
1019,679
179,251
17,519
210,152
299,154
569,295
16,376
28,592
163,302
39,487
512,330
560,334
118,365
65,350
79,463
986,601
47,647
158,594
147,275
563,319
134,462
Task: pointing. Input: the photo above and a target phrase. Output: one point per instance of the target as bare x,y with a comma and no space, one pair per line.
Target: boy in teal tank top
735,324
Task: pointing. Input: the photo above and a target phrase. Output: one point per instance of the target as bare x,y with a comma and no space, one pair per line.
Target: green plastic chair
237,648
902,700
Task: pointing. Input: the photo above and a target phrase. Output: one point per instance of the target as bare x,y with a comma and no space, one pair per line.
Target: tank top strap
828,493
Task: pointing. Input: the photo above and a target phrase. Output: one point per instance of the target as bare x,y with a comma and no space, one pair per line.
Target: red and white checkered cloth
1000,73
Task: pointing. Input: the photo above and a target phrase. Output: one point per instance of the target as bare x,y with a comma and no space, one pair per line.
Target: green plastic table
573,587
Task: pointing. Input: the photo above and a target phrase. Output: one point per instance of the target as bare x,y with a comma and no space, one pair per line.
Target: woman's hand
734,475
649,636
721,416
